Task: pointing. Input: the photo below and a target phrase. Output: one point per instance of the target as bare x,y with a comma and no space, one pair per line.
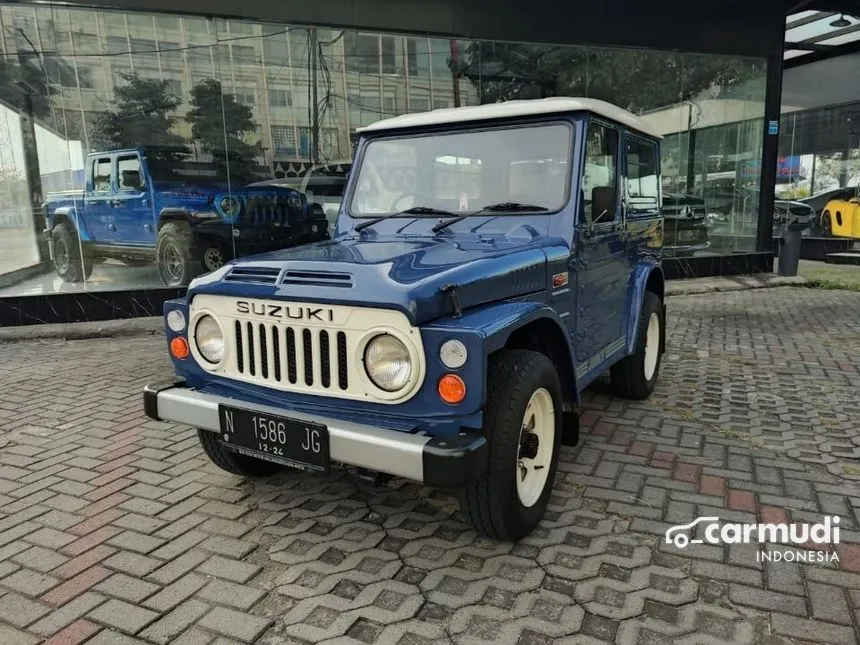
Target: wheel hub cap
652,345
537,440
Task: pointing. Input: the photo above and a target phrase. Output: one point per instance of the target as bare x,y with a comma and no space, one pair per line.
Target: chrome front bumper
448,462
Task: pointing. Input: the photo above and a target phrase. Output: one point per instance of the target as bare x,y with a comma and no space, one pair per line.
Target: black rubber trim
150,395
453,462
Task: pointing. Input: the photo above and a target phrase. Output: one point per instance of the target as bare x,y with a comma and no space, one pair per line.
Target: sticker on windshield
464,202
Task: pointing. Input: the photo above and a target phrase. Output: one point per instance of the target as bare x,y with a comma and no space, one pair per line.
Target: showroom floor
115,530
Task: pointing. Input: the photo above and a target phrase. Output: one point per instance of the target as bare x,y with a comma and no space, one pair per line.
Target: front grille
269,211
273,355
304,348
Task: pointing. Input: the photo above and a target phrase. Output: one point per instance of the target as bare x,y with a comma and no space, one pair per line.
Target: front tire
174,255
69,263
635,376
233,462
523,427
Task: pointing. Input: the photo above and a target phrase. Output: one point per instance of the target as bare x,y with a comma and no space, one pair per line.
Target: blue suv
488,264
185,221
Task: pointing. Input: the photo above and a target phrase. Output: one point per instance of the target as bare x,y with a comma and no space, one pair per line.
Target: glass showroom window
235,111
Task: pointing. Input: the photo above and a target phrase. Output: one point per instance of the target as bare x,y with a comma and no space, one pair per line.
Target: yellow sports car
841,217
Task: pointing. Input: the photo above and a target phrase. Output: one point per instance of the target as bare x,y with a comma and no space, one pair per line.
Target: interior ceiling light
840,22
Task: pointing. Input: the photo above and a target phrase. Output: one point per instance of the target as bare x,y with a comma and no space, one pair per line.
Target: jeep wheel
233,462
213,257
174,255
523,426
634,377
68,262
826,224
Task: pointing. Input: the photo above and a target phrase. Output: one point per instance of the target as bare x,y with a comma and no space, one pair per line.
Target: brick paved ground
115,529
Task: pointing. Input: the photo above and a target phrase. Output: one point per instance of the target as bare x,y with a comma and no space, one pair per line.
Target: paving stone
828,603
761,599
175,593
21,611
67,614
229,569
234,624
812,630
229,593
166,630
123,616
12,636
30,583
126,588
40,559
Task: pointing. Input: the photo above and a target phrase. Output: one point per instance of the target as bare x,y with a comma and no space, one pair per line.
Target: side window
101,175
642,190
599,177
130,173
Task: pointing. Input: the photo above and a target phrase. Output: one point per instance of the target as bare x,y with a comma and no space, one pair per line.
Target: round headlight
387,363
176,320
229,206
209,339
453,354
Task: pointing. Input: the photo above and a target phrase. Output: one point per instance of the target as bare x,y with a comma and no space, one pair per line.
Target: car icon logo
676,534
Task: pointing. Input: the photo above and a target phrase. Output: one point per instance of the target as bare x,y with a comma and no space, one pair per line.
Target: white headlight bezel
453,354
195,345
176,321
374,338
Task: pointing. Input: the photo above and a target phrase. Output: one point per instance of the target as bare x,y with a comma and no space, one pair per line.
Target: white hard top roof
508,109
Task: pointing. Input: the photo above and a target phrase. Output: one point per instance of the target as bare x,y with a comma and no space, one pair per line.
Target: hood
408,274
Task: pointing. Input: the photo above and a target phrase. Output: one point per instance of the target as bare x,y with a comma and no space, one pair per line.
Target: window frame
110,164
585,219
118,175
633,136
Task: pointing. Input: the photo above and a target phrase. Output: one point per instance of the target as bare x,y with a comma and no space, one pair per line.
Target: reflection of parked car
841,217
819,201
686,227
323,184
185,224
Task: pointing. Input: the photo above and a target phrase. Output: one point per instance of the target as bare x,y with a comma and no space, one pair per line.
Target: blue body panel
508,272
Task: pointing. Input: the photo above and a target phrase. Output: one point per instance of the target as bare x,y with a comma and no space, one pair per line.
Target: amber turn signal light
179,348
452,389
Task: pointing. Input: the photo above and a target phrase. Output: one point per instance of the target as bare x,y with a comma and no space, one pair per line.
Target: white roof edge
510,109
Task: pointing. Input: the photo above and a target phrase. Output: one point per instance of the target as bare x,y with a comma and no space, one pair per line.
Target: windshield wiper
415,210
492,208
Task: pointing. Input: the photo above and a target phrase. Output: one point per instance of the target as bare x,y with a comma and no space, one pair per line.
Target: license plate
290,442
688,236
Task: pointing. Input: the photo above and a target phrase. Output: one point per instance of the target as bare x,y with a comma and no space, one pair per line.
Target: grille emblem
285,312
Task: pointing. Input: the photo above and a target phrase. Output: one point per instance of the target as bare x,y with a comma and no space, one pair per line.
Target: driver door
601,248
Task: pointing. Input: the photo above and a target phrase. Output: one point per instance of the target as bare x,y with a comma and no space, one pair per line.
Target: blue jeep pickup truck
184,223
488,264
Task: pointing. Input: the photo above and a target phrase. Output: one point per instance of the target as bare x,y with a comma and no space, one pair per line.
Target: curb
83,330
736,283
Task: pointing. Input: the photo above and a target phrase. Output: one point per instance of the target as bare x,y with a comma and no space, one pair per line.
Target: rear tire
635,376
233,462
69,264
826,224
174,255
523,426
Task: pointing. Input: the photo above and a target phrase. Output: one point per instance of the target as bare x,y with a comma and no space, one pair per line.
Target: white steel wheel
652,345
537,439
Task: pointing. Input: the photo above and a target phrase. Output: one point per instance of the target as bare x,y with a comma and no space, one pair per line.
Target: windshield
462,172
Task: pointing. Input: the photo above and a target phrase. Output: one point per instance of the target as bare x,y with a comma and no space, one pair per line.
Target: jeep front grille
273,353
320,354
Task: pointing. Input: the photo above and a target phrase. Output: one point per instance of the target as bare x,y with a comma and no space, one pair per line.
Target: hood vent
261,275
318,279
